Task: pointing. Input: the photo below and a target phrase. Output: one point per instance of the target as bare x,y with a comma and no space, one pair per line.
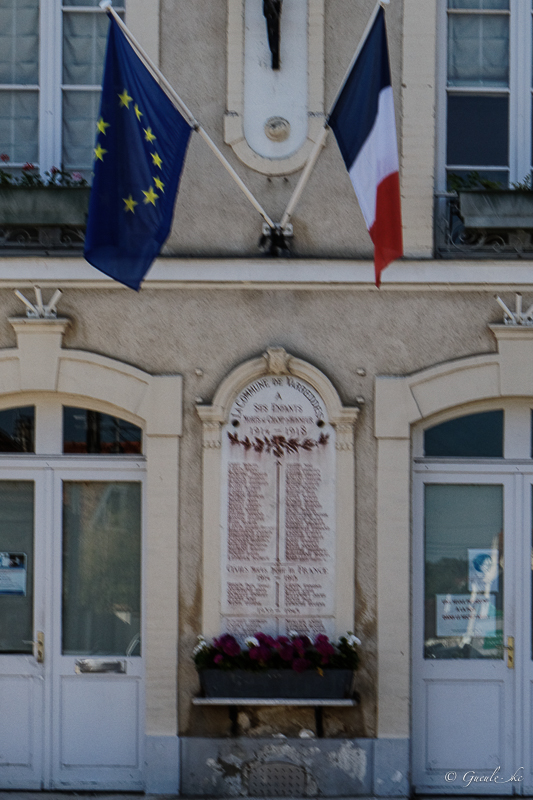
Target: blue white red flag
364,125
140,148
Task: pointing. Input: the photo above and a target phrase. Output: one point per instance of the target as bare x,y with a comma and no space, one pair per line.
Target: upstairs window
51,61
488,90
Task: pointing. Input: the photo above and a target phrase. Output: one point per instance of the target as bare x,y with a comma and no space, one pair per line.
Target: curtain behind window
19,68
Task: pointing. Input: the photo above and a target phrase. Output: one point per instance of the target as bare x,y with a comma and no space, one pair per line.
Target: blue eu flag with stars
140,148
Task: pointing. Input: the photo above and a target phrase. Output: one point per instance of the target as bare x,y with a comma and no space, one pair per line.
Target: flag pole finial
105,4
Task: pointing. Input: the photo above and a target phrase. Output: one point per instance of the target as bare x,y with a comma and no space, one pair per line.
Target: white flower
202,645
353,640
251,641
293,634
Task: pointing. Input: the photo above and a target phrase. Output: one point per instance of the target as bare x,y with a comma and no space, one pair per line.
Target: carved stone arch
39,363
276,363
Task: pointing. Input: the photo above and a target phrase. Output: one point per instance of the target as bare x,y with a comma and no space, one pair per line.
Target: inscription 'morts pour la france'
278,510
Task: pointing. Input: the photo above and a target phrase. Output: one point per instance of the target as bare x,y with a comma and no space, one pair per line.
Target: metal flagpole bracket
273,241
39,310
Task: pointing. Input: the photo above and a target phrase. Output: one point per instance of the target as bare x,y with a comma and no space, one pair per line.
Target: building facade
119,481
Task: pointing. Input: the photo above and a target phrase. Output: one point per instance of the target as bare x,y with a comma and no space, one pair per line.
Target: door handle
38,645
510,651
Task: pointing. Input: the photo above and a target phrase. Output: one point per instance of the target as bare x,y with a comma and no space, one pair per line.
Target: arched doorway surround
437,393
40,371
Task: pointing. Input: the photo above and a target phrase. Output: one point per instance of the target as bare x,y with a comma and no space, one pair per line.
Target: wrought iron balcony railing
453,239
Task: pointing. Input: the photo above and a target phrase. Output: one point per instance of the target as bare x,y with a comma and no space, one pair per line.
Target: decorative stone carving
278,501
277,129
277,361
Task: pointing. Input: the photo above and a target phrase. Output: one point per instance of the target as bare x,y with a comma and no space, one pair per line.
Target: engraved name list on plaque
278,488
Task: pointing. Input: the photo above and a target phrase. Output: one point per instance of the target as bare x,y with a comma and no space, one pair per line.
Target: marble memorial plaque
278,511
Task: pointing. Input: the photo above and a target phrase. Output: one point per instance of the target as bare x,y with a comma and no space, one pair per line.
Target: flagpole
320,142
107,6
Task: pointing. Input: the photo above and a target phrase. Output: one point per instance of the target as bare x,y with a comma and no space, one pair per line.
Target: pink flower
76,177
4,157
261,653
286,652
228,644
218,658
300,643
265,639
27,166
54,170
324,647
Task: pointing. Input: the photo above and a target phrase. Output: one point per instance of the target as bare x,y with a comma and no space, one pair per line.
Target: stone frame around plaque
274,363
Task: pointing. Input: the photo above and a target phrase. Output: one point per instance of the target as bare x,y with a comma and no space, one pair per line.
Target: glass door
22,624
71,649
465,587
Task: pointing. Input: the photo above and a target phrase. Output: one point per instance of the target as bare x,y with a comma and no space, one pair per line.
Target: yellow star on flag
151,196
130,204
156,158
125,99
99,152
101,125
159,183
138,111
149,135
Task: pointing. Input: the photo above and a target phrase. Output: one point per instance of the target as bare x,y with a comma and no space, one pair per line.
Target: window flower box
44,205
291,667
282,683
496,209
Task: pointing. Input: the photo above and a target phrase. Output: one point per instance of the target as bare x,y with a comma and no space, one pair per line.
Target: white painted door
75,703
472,629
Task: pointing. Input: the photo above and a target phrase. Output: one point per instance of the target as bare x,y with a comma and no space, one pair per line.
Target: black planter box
334,684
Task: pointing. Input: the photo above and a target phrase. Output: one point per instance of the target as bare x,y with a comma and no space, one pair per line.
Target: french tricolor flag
364,125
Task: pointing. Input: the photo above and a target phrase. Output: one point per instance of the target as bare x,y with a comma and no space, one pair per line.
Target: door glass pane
463,571
101,568
16,566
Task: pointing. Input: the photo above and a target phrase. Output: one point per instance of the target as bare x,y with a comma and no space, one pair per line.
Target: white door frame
38,371
50,769
486,690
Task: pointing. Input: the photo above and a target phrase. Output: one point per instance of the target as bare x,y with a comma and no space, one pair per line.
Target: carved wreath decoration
278,445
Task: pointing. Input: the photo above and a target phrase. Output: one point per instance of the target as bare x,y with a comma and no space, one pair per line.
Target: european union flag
140,148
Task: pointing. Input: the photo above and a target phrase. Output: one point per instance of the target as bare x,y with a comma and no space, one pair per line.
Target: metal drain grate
276,779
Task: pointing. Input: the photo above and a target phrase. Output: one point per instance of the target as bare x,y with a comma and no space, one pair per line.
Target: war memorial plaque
278,510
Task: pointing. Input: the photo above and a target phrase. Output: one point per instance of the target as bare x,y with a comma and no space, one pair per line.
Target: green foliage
473,181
